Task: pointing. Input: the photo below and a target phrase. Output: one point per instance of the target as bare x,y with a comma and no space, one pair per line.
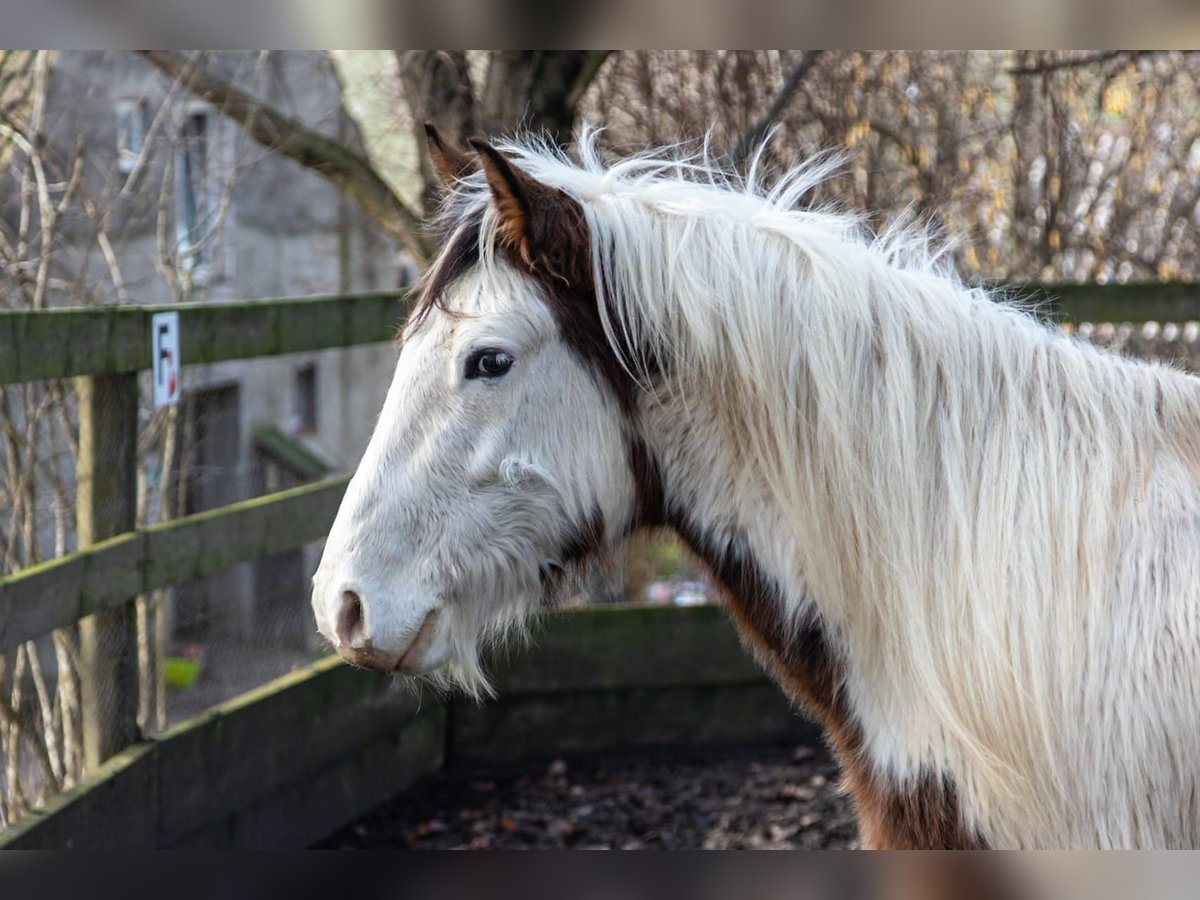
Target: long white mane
999,525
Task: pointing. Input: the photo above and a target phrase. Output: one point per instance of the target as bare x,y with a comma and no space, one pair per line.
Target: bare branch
1074,62
271,128
755,135
594,61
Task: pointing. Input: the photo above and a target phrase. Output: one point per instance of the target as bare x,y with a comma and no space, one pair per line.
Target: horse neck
730,520
925,470
728,517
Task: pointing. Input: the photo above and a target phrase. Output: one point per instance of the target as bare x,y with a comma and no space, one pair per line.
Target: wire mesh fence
232,631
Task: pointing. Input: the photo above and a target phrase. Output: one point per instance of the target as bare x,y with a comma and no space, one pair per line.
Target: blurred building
192,210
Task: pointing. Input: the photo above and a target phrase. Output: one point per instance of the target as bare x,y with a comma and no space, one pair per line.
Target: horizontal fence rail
57,593
1158,302
57,343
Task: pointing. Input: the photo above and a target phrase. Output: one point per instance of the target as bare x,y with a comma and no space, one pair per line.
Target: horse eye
488,364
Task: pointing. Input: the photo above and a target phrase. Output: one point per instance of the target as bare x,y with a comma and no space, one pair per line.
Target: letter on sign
164,351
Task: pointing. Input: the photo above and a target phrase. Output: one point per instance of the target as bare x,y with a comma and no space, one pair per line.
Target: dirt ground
749,798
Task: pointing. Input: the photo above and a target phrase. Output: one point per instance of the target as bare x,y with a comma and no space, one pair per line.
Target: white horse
966,543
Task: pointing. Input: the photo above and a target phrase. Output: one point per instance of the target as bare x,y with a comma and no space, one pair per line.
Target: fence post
106,505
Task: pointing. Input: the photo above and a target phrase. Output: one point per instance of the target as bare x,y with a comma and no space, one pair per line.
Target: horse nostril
350,620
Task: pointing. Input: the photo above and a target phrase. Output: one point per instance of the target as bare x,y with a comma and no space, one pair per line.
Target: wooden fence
104,348
286,764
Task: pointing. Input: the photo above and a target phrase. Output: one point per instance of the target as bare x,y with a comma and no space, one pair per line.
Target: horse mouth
366,657
409,661
370,657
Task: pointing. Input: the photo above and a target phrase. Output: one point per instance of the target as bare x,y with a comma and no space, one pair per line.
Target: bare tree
494,92
62,236
1044,165
39,716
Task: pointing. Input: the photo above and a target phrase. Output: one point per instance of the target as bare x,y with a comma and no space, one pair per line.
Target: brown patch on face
544,233
922,816
460,251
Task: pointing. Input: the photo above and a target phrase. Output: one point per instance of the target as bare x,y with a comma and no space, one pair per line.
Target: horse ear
522,202
449,163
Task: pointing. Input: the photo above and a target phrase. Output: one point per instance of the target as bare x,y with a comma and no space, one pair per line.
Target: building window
304,399
192,194
131,133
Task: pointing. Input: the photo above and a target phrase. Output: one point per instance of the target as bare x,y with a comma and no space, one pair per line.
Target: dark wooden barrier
269,768
294,760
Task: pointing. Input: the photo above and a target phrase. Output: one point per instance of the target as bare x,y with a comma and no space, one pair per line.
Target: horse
965,542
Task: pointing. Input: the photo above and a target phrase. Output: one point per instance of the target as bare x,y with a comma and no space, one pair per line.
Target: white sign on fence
164,352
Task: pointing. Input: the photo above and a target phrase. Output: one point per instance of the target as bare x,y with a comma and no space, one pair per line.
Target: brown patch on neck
585,539
582,541
649,505
925,815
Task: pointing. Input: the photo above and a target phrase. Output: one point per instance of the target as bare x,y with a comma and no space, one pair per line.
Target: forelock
457,231
467,235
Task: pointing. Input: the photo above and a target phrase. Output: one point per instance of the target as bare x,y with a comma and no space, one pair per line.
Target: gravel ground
750,798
